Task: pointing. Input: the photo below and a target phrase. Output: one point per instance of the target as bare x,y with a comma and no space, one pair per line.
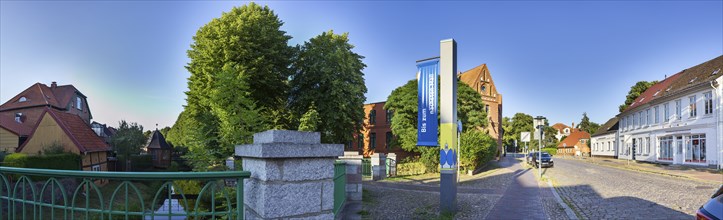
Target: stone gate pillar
379,166
291,175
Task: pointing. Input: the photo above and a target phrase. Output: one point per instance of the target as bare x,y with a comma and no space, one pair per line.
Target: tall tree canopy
128,140
586,125
328,73
634,92
243,47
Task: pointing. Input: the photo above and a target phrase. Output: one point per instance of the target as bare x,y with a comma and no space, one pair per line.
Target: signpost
525,136
448,125
540,125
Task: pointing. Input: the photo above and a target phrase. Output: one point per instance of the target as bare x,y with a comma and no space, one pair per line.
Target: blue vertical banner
427,124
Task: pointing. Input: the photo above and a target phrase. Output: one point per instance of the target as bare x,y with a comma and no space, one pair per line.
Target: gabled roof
559,126
574,137
694,76
157,141
76,129
610,125
9,123
41,95
475,76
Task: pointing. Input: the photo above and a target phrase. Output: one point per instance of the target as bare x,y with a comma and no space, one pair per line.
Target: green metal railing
339,186
65,194
366,168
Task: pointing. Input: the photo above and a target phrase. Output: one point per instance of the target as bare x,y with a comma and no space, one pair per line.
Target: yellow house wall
47,133
8,141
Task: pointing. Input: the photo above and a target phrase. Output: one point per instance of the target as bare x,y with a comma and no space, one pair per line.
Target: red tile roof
654,92
574,137
77,130
11,125
41,95
559,126
700,74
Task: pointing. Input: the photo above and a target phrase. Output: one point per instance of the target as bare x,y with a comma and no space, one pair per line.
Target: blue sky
557,59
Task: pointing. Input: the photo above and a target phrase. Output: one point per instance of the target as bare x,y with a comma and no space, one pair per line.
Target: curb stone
570,214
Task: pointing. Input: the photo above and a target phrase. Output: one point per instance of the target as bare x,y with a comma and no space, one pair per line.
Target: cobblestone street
599,192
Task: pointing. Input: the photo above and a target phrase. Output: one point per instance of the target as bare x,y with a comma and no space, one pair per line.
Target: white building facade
604,142
679,123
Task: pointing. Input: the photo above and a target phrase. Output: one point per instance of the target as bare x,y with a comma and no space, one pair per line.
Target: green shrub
65,161
410,168
15,160
429,157
477,148
54,148
549,150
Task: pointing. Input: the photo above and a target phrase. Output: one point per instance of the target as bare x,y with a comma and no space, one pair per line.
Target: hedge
410,168
64,161
549,150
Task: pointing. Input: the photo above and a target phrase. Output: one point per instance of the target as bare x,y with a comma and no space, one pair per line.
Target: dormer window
693,80
78,103
715,72
19,117
656,93
22,99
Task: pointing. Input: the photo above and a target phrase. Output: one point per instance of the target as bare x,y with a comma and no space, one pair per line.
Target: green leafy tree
128,140
328,73
403,102
634,92
164,131
310,120
476,148
586,125
243,47
509,138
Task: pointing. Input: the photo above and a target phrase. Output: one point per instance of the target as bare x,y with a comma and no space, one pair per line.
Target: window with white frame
647,145
708,109
95,168
622,123
666,110
630,122
695,148
648,117
643,118
638,121
19,117
657,115
692,107
666,148
678,110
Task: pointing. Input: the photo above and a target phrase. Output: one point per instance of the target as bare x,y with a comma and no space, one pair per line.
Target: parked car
546,159
713,209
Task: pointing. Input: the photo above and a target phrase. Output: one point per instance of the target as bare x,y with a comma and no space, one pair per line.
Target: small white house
604,142
677,120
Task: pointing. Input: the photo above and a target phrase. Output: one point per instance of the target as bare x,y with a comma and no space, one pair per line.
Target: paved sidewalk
521,200
695,173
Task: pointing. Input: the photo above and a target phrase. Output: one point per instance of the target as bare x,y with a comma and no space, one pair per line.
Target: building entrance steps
522,199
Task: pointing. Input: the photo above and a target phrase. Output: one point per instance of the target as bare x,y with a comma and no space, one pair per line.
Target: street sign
525,136
427,124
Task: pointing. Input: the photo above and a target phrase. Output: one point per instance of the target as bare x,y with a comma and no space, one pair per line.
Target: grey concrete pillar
379,166
392,157
291,175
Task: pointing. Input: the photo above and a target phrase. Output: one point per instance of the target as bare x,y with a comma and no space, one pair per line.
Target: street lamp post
540,121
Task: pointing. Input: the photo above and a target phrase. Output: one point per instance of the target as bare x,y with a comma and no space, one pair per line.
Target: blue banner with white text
427,124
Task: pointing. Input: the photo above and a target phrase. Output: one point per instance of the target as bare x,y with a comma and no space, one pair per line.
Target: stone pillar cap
288,144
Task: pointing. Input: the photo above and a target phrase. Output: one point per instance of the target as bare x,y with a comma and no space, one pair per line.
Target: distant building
604,141
376,134
159,150
27,106
563,130
577,144
480,79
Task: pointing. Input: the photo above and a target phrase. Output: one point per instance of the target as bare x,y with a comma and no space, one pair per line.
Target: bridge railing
67,194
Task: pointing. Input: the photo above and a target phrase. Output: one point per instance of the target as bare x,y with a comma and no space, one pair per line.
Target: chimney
53,85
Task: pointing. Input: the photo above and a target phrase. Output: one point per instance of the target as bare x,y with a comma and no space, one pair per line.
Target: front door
678,156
